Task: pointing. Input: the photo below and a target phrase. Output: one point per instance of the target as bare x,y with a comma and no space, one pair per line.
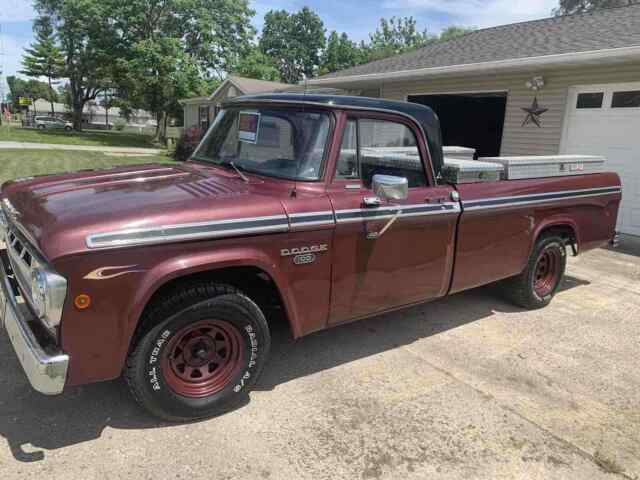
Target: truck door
412,261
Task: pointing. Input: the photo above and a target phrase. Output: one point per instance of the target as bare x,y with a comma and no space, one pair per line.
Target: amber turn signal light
82,301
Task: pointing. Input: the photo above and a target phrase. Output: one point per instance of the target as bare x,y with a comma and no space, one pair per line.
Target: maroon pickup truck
167,274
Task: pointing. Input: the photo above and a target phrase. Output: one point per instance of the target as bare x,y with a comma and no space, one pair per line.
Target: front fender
98,338
195,262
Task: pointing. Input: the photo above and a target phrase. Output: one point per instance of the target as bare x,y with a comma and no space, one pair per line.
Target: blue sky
356,17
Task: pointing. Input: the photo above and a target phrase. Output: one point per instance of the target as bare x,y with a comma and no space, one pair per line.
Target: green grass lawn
21,163
107,138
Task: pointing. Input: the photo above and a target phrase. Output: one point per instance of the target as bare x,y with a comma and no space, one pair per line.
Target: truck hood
58,212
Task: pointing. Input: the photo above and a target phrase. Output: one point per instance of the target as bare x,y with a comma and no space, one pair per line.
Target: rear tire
536,286
207,348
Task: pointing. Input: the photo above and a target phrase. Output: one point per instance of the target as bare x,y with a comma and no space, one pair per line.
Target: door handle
371,202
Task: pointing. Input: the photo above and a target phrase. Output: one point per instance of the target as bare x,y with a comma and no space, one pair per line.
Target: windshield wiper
238,171
223,163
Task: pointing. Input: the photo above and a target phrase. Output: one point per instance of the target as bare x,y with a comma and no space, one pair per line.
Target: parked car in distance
52,123
321,209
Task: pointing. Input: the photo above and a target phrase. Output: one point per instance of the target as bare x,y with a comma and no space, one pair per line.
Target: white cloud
17,11
478,13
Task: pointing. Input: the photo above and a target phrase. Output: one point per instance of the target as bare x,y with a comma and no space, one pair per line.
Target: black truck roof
424,116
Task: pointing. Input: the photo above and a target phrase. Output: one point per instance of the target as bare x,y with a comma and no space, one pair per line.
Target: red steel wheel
203,357
547,271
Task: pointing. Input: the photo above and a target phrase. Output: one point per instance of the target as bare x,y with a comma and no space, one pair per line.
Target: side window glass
389,148
347,166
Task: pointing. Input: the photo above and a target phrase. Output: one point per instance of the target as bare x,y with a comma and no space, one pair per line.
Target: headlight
39,292
48,291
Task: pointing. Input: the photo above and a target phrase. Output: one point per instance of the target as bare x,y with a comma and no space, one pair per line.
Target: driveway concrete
83,148
466,387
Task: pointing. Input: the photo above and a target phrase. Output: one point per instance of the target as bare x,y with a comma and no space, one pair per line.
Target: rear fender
561,220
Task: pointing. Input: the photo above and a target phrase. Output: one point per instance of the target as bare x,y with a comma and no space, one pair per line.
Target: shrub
119,125
187,143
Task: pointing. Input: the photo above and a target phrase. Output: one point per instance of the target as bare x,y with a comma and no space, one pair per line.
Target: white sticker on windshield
248,126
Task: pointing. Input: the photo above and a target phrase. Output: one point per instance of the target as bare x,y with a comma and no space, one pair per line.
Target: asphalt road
466,387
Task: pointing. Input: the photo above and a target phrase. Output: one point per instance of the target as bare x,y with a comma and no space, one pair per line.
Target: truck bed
502,219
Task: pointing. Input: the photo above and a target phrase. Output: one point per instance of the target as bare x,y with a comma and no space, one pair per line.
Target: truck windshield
277,142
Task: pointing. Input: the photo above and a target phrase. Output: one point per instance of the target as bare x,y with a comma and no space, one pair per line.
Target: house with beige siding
200,111
579,75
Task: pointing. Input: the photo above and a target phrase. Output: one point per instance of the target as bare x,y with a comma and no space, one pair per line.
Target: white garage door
605,120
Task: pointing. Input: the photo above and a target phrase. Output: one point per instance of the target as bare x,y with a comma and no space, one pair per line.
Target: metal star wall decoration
533,113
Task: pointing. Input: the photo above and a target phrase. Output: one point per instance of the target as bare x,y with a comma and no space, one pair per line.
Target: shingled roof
599,30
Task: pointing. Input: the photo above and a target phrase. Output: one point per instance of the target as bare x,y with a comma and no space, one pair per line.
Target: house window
203,117
590,100
625,99
371,147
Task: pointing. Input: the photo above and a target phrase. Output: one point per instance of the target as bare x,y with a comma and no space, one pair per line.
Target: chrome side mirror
390,187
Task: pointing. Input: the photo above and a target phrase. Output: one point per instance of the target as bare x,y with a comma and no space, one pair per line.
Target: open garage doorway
472,120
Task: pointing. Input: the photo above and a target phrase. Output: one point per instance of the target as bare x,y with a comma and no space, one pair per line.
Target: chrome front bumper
46,369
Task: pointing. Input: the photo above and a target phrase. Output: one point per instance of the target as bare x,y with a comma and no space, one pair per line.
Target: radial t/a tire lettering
202,359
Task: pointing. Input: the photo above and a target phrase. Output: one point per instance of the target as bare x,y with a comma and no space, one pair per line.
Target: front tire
536,286
207,348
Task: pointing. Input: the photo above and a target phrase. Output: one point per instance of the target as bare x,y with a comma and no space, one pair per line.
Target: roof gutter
573,58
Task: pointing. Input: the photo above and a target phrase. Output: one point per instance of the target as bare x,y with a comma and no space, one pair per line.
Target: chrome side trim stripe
380,213
255,225
537,198
284,223
190,231
313,218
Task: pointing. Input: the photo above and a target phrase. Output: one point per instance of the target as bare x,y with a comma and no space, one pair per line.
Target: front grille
22,261
24,258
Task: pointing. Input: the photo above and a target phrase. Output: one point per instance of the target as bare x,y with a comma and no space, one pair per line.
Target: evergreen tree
44,58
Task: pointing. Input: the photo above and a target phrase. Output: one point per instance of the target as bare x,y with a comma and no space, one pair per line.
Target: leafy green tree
32,89
44,58
86,36
341,53
295,42
397,35
453,32
256,64
108,100
171,49
568,7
